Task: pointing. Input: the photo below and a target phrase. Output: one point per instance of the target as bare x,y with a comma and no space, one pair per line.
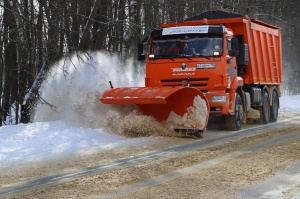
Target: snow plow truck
215,64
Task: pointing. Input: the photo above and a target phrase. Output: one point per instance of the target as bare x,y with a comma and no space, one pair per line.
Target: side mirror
234,44
140,48
141,56
234,52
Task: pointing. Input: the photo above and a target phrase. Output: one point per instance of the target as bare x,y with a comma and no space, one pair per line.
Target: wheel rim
234,122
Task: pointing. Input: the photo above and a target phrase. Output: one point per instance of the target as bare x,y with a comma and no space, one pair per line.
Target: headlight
151,56
216,53
205,66
219,99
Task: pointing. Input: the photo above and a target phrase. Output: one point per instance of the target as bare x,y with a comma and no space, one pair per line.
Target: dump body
264,43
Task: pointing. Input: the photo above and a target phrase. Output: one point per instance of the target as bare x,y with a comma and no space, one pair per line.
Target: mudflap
182,107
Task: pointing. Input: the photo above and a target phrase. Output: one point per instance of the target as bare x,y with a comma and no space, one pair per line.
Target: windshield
171,46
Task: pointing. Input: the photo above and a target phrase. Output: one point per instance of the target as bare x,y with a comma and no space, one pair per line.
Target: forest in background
34,34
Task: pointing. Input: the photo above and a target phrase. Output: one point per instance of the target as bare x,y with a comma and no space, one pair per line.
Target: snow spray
74,86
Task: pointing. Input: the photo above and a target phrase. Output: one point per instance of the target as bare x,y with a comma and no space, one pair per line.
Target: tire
275,107
234,122
265,108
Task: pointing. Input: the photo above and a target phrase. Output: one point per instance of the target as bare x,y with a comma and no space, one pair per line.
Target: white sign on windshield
185,30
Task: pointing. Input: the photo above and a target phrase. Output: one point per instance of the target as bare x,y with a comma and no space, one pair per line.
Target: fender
271,89
235,83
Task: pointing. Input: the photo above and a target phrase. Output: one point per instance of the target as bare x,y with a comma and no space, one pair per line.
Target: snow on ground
289,105
77,124
41,141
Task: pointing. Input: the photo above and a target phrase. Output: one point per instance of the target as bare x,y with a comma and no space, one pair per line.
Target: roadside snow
289,105
40,141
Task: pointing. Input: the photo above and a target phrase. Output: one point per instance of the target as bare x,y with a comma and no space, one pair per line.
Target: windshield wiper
199,55
186,56
164,57
172,57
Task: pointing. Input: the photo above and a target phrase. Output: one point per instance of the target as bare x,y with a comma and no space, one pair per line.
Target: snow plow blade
183,107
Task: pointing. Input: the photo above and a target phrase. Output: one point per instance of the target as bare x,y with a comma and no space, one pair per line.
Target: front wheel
234,122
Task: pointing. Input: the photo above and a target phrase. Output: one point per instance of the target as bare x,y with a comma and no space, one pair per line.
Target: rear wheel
275,107
234,122
265,108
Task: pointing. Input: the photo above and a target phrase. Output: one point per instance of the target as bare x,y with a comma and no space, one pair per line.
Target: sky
79,122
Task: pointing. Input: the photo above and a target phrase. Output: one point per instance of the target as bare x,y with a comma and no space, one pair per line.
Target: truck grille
194,82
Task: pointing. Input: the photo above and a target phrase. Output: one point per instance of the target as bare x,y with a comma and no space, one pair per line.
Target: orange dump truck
214,64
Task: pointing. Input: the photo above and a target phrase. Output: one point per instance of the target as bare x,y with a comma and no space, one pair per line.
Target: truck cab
196,56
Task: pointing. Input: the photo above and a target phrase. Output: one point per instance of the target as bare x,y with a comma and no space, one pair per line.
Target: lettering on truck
185,72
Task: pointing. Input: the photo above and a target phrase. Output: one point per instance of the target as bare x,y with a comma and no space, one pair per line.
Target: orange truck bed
264,43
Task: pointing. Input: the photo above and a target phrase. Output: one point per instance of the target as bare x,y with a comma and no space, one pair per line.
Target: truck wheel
275,107
265,108
234,122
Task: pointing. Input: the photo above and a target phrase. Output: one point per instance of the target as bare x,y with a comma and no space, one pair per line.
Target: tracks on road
172,175
126,162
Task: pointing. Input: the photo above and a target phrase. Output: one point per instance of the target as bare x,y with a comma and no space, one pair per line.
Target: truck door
231,67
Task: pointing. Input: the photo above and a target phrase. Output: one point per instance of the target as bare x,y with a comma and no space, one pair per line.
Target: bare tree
34,34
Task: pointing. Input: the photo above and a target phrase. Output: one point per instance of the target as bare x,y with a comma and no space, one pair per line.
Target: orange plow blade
183,107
